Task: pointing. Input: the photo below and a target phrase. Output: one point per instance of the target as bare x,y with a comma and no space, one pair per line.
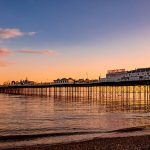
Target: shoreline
113,143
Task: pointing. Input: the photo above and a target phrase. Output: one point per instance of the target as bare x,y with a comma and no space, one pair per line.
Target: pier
129,93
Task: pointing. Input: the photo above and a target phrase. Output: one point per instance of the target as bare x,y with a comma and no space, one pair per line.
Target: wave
132,129
25,137
33,136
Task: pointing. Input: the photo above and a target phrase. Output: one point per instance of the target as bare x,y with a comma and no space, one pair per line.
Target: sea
34,120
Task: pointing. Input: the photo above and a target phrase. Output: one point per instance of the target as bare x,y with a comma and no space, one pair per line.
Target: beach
116,143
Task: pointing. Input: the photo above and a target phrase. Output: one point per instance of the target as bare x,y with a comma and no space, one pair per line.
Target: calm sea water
28,120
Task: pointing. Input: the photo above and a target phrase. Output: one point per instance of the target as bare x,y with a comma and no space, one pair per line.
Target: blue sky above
73,22
83,29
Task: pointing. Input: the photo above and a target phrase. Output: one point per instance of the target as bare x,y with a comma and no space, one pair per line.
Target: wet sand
116,143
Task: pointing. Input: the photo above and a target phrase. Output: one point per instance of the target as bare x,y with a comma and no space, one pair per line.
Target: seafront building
123,75
118,75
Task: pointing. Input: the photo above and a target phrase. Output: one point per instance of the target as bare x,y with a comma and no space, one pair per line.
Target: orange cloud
12,33
5,52
4,64
39,52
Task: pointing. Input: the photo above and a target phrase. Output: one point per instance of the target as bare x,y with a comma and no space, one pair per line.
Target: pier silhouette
135,94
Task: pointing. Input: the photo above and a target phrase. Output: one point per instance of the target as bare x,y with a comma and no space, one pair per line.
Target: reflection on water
35,119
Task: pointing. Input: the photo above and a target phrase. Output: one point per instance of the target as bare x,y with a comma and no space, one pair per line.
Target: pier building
64,81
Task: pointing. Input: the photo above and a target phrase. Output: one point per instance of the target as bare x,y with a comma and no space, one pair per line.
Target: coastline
113,143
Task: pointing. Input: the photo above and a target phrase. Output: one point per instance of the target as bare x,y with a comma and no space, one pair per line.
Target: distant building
94,81
64,81
80,81
122,75
7,83
114,75
87,81
21,82
26,82
137,74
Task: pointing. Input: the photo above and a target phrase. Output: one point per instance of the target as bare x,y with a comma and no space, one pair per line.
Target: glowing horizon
56,39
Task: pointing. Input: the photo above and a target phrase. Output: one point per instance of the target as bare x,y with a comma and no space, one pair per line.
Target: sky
48,39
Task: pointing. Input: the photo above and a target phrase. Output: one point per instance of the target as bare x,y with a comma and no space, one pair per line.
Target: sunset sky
48,39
